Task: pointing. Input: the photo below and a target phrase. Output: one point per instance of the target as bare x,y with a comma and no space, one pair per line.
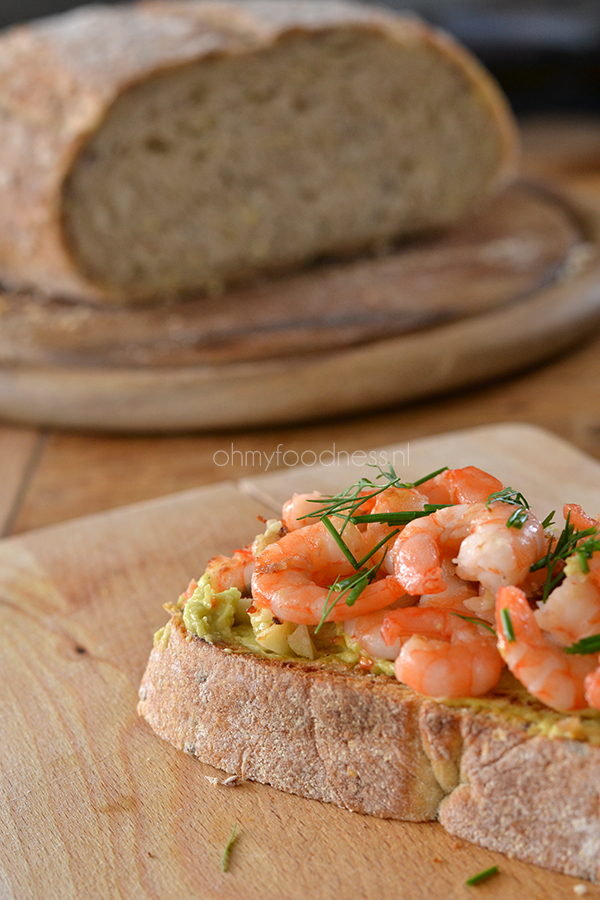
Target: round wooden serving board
510,287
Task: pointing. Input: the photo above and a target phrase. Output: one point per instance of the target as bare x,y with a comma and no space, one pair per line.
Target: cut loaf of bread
152,149
503,771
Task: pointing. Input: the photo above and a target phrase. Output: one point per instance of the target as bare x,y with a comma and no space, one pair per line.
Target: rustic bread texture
152,149
373,746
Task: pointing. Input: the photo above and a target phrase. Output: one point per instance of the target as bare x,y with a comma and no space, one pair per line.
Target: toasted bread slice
501,771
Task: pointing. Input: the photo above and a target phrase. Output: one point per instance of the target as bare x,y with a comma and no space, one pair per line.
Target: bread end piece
158,148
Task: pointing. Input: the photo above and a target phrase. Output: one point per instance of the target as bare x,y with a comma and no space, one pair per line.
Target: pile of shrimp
451,596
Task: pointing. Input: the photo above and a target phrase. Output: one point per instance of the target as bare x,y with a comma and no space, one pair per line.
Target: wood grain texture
93,805
506,337
81,473
18,457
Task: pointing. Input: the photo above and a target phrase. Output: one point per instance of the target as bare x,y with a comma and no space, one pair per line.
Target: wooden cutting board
508,288
94,805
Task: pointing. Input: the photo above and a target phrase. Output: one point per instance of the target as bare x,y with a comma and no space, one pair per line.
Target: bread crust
59,78
373,746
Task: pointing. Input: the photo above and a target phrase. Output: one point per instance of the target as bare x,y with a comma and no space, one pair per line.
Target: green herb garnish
482,876
340,542
507,624
427,477
586,645
476,621
227,851
347,502
345,506
399,518
353,585
566,545
508,495
587,548
549,520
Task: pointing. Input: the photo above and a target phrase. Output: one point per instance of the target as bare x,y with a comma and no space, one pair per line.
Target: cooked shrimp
456,592
465,597
553,676
295,510
572,611
292,577
366,631
591,687
390,501
488,551
444,656
232,571
468,485
579,518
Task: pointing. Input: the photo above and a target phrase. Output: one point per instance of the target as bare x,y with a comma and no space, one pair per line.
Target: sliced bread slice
501,771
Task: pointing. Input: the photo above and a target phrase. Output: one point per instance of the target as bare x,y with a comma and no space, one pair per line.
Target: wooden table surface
51,476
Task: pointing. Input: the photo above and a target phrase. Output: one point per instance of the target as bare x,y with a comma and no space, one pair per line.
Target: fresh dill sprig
353,585
399,518
507,624
344,506
339,539
585,646
227,851
476,621
348,501
348,589
425,478
340,542
482,876
586,550
567,543
508,495
549,520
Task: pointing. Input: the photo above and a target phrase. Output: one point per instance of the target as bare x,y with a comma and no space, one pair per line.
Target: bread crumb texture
173,146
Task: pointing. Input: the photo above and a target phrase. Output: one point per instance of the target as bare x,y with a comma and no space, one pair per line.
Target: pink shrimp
444,656
456,592
468,485
366,631
553,676
572,611
391,500
591,686
233,571
488,551
579,518
295,511
293,575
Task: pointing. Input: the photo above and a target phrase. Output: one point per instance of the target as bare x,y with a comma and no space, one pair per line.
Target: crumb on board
228,781
580,889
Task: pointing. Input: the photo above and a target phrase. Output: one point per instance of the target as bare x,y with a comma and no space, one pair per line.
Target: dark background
545,54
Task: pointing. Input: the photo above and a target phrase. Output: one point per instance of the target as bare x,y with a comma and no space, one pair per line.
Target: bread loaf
151,149
502,771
